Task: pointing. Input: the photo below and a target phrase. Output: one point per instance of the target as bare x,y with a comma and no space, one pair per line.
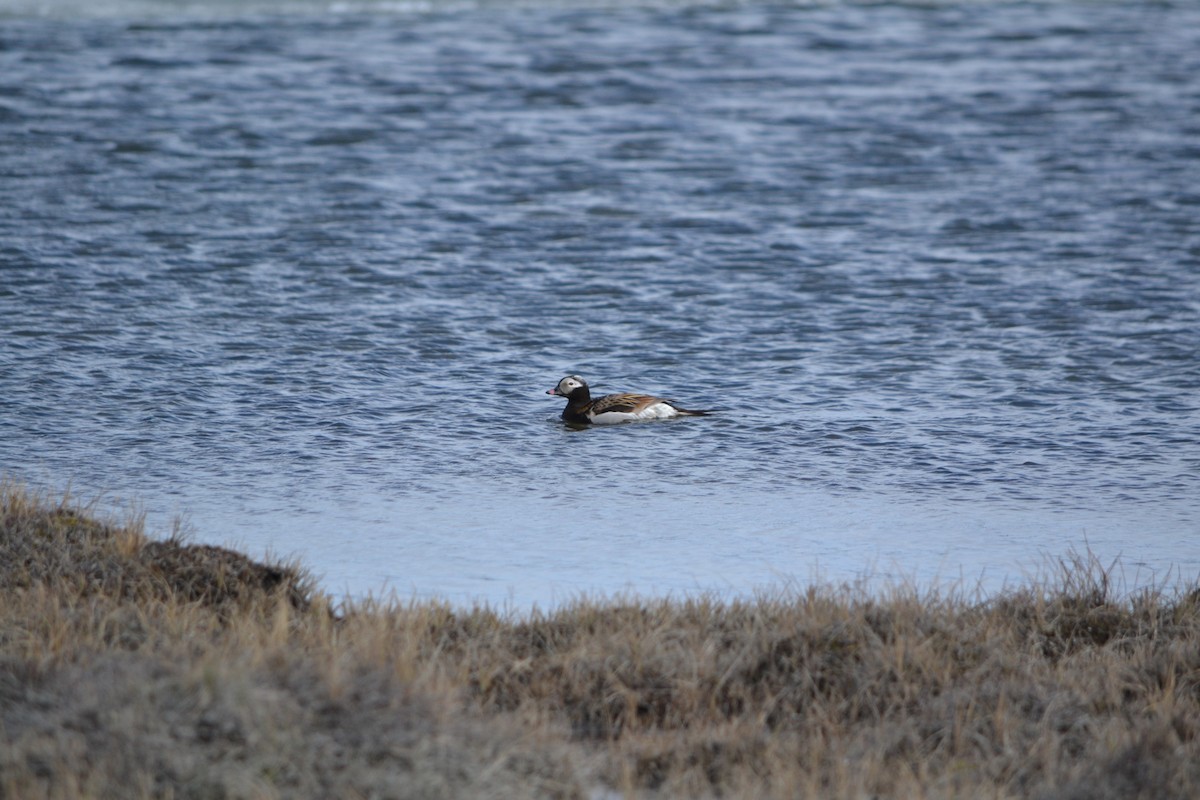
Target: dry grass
136,668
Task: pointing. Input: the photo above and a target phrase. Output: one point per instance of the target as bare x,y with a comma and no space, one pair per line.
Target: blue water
301,274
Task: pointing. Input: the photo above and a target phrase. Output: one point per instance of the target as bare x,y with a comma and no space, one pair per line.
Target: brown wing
624,402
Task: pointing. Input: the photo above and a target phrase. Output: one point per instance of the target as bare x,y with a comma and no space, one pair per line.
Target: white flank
656,411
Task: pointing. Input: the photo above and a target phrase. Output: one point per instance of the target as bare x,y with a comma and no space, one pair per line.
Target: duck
613,408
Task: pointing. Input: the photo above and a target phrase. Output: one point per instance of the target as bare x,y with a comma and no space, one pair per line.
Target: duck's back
630,407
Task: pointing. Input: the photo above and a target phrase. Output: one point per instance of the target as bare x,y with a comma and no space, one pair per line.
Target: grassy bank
139,668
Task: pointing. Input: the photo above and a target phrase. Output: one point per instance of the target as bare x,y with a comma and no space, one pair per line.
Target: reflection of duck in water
611,408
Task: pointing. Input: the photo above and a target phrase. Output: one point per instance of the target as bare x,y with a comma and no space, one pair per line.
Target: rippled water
305,275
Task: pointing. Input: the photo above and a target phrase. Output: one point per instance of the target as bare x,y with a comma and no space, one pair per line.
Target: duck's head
568,386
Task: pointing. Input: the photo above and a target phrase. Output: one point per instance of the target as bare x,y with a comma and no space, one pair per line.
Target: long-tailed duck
612,408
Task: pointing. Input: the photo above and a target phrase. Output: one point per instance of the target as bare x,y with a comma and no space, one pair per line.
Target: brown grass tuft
59,545
139,668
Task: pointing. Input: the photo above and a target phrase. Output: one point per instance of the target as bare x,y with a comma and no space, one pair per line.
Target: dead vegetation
139,668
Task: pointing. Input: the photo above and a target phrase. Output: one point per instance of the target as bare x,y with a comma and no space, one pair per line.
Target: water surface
303,274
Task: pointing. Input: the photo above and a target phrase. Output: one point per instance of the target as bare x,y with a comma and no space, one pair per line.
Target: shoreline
155,668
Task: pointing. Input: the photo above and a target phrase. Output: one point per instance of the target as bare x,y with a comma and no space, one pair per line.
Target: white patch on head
570,384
